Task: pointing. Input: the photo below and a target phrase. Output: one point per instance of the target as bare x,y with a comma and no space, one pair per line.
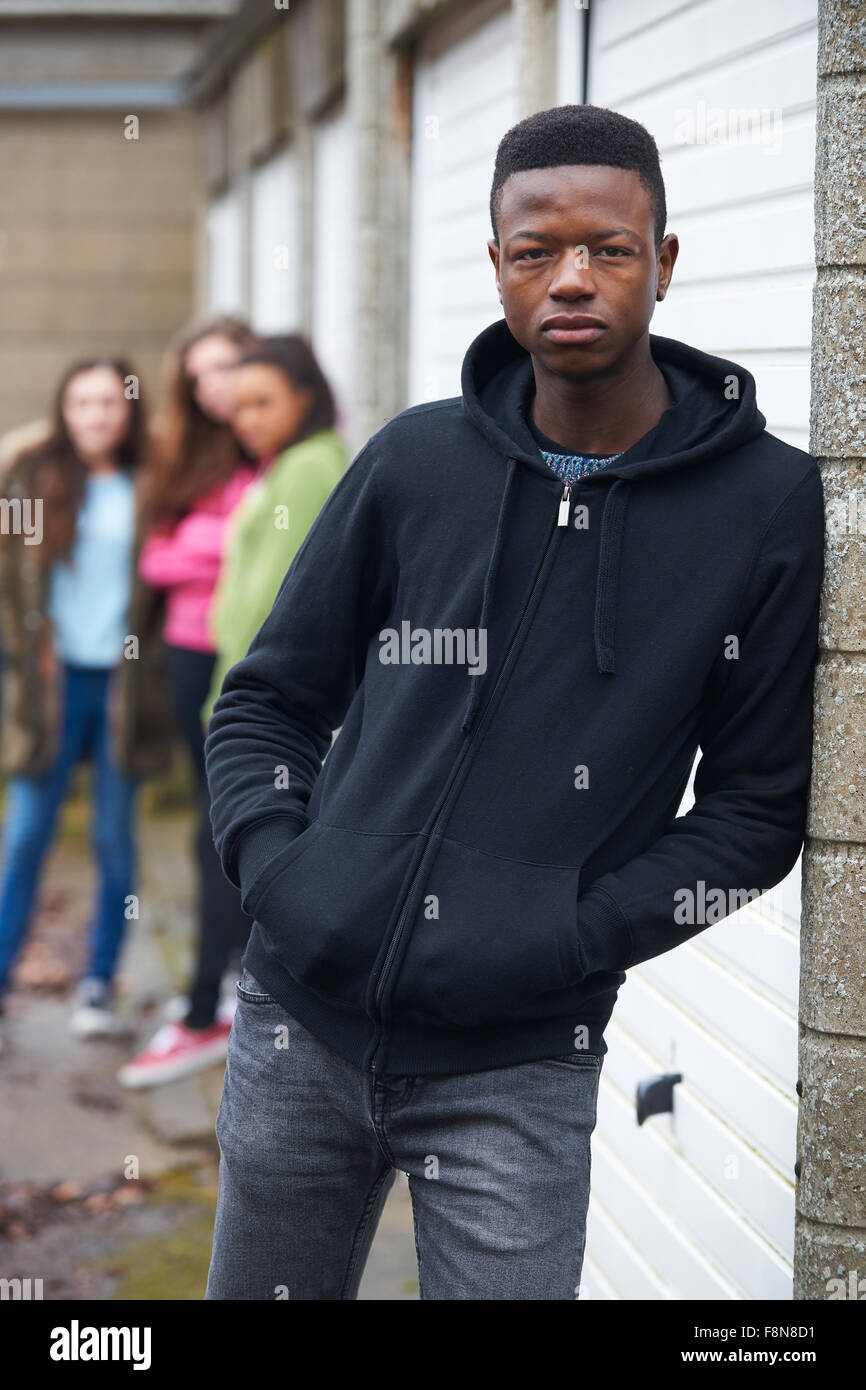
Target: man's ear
667,257
493,251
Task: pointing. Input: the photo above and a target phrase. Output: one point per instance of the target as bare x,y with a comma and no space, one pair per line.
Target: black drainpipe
584,77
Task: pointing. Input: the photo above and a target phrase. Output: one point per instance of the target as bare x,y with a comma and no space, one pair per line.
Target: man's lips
573,328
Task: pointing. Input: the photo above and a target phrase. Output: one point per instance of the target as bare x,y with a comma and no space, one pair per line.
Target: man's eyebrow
535,236
617,231
593,236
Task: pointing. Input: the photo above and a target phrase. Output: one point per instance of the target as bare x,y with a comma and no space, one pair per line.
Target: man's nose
573,273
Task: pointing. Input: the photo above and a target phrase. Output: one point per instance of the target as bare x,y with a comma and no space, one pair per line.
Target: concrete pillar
375,89
362,39
304,153
241,135
536,26
830,1237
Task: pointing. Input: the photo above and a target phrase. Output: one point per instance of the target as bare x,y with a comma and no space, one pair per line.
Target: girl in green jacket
284,416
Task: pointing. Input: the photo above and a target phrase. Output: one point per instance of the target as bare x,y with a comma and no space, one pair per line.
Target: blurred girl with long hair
83,675
197,478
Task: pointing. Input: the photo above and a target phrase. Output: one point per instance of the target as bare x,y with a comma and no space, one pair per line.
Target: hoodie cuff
604,940
258,847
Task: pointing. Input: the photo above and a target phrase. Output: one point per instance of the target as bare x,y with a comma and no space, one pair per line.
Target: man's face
576,266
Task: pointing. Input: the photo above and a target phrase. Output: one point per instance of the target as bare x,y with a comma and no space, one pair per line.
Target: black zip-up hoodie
492,841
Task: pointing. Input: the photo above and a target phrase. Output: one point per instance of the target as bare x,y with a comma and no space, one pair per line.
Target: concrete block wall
97,244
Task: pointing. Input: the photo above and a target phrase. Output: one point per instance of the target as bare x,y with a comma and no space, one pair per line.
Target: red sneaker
175,1051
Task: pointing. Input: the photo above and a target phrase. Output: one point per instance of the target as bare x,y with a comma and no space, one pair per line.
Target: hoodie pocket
325,909
493,940
258,892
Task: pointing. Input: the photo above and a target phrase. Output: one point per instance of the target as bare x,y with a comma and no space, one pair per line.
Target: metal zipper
563,509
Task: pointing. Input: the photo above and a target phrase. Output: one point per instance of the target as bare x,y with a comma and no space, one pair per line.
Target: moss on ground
169,1266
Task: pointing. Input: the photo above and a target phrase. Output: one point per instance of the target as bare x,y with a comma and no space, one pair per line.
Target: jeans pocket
249,989
578,1059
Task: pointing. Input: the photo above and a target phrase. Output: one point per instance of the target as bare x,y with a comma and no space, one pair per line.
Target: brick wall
97,245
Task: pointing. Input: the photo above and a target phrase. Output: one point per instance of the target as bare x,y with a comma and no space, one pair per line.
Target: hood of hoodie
706,420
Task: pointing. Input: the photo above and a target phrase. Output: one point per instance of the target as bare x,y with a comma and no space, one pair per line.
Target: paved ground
104,1193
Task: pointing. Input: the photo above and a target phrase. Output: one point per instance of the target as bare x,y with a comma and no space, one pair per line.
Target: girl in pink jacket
185,561
198,477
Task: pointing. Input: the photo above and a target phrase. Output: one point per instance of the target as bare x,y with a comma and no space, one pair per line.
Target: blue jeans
498,1164
31,809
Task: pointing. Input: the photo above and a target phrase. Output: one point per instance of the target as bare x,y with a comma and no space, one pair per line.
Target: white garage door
465,98
225,256
276,253
334,263
701,1205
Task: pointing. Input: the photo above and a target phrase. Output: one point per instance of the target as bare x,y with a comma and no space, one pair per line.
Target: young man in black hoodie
525,610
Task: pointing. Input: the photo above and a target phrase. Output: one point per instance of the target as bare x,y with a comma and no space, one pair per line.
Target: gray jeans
498,1164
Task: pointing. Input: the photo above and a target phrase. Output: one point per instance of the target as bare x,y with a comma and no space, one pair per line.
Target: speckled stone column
830,1238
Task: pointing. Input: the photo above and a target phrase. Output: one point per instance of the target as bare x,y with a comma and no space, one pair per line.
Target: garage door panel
701,37
717,1244
706,177
465,98
666,1247
766,81
276,250
749,240
705,1141
613,1266
762,1113
736,320
226,250
738,1015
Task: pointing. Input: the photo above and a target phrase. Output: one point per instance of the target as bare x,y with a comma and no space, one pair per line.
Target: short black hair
580,135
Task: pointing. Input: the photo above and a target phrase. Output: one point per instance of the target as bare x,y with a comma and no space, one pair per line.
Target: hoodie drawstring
610,546
489,582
